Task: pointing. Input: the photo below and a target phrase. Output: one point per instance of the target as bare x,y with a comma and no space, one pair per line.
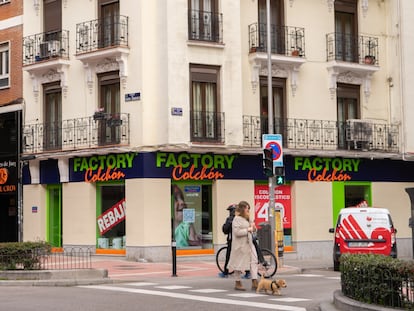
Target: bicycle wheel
221,258
269,266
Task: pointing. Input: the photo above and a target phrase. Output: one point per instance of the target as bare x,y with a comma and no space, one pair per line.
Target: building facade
144,120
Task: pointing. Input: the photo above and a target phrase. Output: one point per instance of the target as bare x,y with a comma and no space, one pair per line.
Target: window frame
205,74
5,63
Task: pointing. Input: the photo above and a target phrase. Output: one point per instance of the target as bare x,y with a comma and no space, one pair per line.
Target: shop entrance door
54,215
347,194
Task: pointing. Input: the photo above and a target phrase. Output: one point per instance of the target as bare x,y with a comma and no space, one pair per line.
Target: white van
364,230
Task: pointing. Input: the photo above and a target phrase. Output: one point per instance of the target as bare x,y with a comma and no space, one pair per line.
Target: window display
111,216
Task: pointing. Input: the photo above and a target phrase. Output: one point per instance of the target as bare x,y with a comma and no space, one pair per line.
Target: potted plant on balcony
370,58
99,114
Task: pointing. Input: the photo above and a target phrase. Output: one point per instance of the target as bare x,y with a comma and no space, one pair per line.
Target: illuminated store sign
104,167
194,166
8,170
327,169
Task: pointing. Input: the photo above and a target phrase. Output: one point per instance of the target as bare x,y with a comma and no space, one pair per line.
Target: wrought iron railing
207,126
205,26
285,40
349,48
39,259
383,288
101,33
324,134
45,46
101,130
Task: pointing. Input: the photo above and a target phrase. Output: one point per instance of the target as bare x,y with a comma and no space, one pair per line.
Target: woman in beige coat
243,254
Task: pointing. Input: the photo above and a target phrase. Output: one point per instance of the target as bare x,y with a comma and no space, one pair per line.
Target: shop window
191,215
111,216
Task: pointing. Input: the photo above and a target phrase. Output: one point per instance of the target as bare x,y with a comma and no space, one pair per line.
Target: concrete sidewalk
110,269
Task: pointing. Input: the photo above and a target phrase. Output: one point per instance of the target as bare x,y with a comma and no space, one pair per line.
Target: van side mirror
331,230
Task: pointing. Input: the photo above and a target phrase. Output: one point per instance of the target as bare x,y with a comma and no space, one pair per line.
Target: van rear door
365,231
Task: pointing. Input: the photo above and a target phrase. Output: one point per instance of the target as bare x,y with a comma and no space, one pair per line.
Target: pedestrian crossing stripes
171,291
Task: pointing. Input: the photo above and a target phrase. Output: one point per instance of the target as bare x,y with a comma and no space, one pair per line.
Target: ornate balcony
207,126
354,49
101,33
45,46
98,131
363,135
205,26
288,52
285,40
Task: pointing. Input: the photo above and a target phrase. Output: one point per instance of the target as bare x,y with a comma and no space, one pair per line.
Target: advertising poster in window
187,202
282,201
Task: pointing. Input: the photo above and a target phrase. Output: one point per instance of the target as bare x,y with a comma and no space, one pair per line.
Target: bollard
174,257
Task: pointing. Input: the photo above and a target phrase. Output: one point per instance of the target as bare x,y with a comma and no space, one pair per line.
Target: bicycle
267,260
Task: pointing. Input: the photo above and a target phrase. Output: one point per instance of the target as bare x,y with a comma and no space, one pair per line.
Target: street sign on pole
274,142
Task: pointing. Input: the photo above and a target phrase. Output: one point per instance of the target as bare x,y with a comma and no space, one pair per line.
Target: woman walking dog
243,254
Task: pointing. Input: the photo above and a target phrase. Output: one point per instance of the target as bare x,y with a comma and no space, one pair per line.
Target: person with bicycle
243,253
227,230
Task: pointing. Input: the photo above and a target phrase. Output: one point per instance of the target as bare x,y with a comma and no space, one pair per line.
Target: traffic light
280,175
268,162
280,180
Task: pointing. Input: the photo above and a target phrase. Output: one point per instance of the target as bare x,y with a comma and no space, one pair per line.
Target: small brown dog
269,285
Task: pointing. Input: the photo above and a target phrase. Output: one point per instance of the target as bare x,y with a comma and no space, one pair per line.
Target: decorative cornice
104,61
282,67
351,74
47,72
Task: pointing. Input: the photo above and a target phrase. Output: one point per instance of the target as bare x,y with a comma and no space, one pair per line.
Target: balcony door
52,27
346,30
52,128
205,118
276,22
52,16
279,105
347,108
109,103
109,23
204,20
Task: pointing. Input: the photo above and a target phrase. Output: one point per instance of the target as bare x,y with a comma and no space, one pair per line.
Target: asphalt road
304,292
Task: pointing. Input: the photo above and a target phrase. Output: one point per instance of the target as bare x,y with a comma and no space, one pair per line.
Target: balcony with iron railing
101,33
364,135
45,46
354,49
285,40
207,126
205,26
99,131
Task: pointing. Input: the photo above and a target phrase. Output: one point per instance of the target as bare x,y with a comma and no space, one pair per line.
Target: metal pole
270,124
19,181
410,192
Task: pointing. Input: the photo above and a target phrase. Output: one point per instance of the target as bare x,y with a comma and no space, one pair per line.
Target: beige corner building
144,120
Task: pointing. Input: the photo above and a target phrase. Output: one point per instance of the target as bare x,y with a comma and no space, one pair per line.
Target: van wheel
336,265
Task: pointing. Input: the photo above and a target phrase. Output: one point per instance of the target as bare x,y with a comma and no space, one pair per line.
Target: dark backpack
227,225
